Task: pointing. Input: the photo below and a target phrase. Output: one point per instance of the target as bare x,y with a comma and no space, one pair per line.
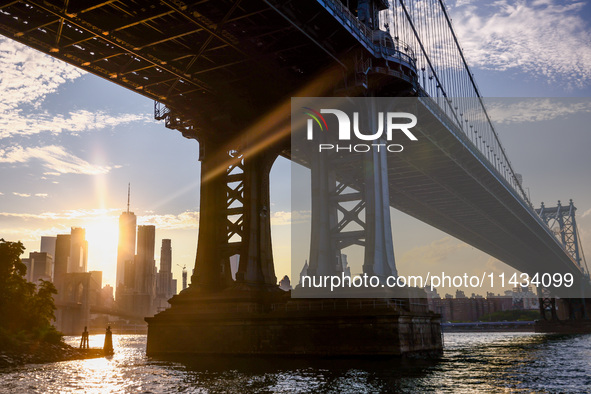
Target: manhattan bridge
223,72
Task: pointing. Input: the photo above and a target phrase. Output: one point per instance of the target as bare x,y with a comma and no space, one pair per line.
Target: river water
481,362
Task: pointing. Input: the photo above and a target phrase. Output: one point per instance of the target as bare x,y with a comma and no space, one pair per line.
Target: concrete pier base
242,322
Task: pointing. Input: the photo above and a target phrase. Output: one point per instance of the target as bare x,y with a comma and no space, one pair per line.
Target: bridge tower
567,231
344,215
561,220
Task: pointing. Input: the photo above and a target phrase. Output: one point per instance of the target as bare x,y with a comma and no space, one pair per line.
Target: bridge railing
372,39
444,76
424,26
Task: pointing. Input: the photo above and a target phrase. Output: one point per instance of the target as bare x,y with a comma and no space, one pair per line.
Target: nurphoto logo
387,123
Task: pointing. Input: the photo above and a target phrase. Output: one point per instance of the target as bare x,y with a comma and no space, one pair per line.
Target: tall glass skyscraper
126,249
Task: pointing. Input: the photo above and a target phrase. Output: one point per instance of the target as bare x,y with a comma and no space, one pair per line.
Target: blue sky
70,142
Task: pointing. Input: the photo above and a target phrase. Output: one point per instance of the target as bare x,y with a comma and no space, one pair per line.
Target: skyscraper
61,258
78,250
144,263
126,249
48,245
166,267
145,270
165,285
41,266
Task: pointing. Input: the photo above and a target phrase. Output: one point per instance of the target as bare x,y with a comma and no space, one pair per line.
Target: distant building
61,258
467,309
78,250
48,245
144,290
524,298
432,294
234,264
107,299
165,285
144,260
303,272
285,284
184,273
344,265
165,273
126,250
39,266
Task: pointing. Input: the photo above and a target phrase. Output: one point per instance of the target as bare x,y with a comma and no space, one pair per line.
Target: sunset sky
70,142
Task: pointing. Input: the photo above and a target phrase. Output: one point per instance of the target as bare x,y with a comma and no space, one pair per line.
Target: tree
24,307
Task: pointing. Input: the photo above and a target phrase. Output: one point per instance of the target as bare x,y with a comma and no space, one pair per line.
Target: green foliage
50,335
26,310
512,315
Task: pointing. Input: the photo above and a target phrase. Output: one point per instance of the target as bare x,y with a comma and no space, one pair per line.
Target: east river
483,362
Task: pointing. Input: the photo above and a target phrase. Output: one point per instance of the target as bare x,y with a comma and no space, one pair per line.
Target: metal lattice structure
561,219
350,213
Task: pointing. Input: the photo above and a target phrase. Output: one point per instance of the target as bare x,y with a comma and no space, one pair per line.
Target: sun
102,236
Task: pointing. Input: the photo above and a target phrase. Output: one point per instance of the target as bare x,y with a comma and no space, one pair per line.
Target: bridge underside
444,181
219,64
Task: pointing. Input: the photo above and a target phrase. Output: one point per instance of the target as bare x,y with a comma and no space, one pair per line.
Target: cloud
434,253
31,235
535,110
54,158
543,38
81,217
28,76
498,267
68,215
43,195
282,218
18,124
188,220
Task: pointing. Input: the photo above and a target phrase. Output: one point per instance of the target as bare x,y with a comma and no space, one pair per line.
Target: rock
41,353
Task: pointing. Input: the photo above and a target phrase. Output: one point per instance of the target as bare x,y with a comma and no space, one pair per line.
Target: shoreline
44,353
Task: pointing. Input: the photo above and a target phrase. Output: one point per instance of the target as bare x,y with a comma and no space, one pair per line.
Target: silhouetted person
108,347
84,340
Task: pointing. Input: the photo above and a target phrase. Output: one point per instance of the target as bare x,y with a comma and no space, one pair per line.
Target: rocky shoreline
42,352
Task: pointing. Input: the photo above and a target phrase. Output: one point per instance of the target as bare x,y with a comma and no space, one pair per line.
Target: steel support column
323,247
234,218
379,248
343,216
256,255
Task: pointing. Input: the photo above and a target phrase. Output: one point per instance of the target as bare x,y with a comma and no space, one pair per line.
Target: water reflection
499,362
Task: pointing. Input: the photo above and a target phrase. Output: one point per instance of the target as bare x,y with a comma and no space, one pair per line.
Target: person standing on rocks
108,347
84,340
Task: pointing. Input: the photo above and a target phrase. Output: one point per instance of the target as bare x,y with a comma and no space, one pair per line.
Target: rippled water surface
484,362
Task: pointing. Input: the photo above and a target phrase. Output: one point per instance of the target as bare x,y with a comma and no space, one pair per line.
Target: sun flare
102,237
